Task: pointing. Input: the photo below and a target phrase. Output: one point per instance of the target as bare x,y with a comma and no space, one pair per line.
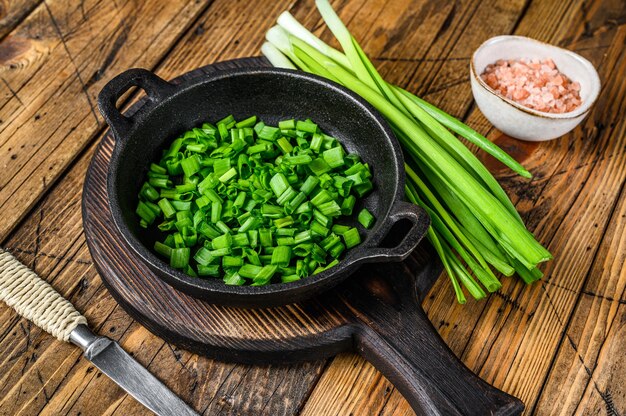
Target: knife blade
34,299
127,373
120,367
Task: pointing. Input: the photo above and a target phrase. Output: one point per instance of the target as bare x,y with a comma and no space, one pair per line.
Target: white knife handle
35,299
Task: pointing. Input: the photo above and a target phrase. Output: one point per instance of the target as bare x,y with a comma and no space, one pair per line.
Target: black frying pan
375,314
273,95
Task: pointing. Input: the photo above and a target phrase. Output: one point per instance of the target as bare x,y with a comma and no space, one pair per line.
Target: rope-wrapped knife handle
35,299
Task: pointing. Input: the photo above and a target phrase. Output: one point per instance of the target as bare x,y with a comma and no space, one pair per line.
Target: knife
37,301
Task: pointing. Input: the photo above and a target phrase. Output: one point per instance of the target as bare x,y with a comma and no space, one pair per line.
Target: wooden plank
56,61
12,12
606,392
350,386
585,374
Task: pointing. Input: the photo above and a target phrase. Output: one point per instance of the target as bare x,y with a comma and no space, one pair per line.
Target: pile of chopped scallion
475,227
250,202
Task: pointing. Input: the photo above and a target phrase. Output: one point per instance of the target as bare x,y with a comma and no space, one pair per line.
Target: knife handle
35,299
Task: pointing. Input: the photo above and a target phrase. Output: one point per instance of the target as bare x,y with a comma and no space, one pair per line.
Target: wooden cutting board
376,313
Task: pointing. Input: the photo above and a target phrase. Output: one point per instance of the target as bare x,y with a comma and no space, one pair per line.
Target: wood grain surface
559,345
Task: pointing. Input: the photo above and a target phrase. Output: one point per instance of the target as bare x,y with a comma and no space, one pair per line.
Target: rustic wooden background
559,345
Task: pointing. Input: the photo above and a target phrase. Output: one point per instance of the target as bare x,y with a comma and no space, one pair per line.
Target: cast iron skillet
273,95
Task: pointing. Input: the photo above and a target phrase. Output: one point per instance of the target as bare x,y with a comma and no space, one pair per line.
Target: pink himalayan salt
533,83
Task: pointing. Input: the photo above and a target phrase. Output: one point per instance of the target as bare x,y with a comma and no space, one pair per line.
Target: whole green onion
474,224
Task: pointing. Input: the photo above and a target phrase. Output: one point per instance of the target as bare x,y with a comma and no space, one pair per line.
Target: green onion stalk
475,228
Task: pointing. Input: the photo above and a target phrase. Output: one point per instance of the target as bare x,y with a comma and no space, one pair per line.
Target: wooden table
559,345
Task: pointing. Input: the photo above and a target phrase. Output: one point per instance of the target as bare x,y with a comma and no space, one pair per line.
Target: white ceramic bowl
522,122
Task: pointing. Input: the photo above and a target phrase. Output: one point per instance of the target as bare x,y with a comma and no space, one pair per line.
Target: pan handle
156,89
419,225
408,351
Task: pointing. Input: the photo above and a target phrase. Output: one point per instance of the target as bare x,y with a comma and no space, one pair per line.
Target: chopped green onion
203,256
285,241
191,165
228,190
348,205
319,229
162,249
340,229
319,166
216,211
264,275
287,124
157,169
230,261
167,208
351,238
279,184
298,160
289,278
286,196
303,237
321,218
253,237
223,241
228,175
316,142
241,239
284,222
221,166
241,198
269,133
330,241
336,250
306,126
322,197
281,256
259,148
288,232
330,209
249,271
181,205
221,252
249,122
249,224
179,257
309,185
148,192
365,218
160,182
234,279
207,230
145,213
265,237
295,202
284,145
209,270
334,157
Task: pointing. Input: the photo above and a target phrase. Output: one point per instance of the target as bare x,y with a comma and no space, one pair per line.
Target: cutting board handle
406,348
